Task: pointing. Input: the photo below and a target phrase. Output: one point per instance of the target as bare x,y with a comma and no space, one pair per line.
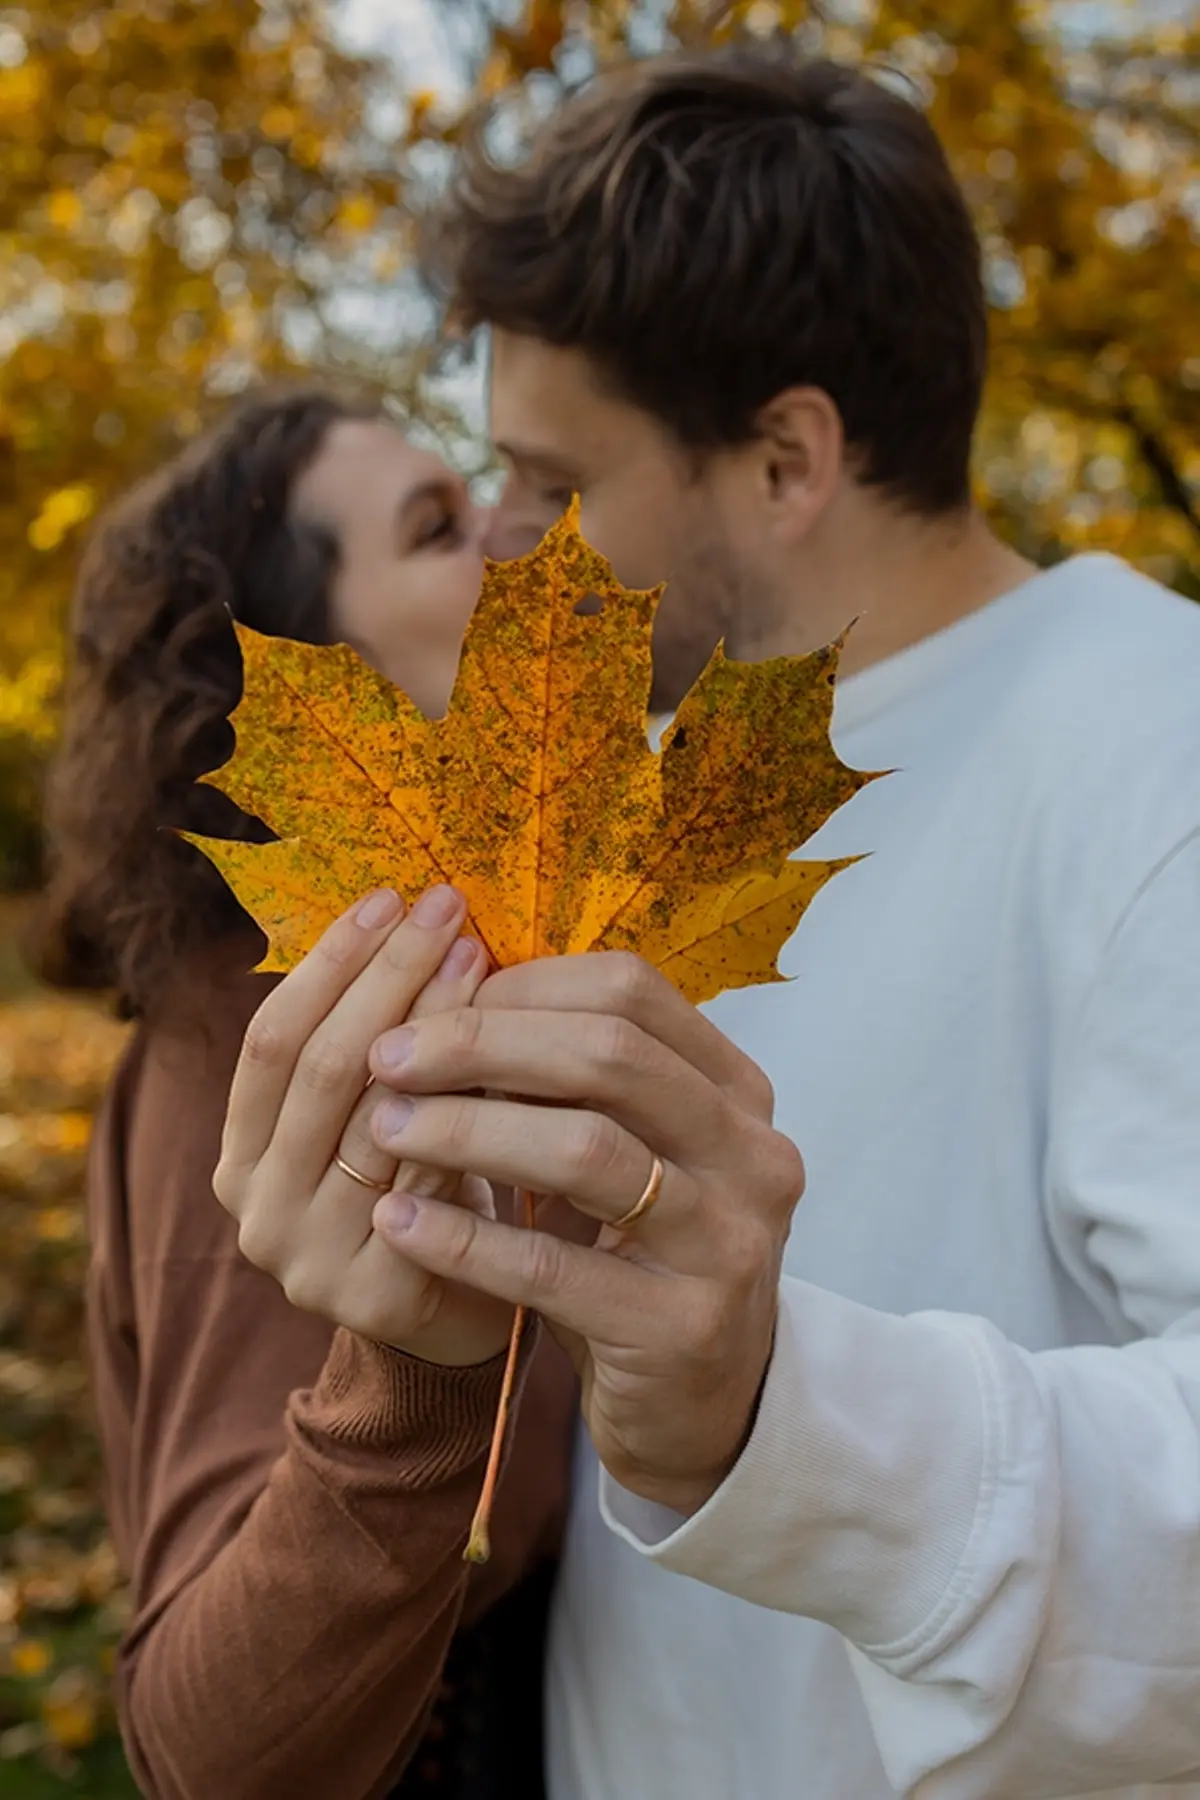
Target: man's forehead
550,436
528,379
547,408
533,362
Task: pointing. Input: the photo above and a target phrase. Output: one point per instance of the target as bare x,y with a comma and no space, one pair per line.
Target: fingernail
395,1048
392,1117
378,909
394,1214
460,957
437,907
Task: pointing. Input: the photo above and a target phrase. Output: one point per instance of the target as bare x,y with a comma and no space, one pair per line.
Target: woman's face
411,553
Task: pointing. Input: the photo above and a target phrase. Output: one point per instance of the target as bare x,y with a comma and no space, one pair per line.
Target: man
904,1497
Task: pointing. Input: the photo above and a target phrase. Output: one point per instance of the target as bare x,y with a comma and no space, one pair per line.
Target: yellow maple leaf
539,794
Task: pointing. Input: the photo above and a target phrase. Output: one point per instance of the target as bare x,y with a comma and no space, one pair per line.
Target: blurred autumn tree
191,195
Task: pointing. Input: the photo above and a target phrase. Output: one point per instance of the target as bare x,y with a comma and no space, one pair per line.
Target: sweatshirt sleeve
291,1502
1010,1541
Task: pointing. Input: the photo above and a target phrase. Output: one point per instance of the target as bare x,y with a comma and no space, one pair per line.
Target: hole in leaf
589,606
679,741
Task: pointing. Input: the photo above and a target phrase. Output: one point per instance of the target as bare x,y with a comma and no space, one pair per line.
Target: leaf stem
479,1543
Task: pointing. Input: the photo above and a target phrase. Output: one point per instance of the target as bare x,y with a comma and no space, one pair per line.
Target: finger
391,1298
360,1151
598,1165
452,986
384,1295
331,1069
600,1061
290,1014
615,982
599,1297
455,983
337,1221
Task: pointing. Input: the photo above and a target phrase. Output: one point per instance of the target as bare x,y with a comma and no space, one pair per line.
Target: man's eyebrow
534,453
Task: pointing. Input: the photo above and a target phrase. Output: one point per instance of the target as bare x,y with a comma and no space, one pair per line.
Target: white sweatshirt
960,1556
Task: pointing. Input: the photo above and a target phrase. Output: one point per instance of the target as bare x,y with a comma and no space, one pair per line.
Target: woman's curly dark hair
155,673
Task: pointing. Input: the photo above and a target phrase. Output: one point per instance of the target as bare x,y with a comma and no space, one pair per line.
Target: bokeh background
193,197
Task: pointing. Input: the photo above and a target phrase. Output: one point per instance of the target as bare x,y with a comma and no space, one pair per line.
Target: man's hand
669,1326
298,1103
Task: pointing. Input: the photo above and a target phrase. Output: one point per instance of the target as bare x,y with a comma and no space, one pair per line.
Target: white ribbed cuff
862,1483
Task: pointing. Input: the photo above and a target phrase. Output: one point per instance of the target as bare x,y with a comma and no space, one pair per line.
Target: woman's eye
439,527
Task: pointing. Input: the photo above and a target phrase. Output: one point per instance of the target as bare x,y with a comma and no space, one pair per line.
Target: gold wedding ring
357,1174
379,1187
646,1200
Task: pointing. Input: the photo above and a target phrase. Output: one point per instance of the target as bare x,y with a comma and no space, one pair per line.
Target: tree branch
1158,459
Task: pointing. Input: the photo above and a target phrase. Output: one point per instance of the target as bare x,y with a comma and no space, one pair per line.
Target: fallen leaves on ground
62,1606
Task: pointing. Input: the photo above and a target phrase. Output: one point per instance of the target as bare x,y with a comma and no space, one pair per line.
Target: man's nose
513,530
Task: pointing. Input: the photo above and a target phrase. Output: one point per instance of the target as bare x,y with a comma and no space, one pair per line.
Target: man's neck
900,578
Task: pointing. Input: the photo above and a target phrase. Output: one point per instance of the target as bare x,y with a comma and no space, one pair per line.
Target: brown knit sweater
291,1502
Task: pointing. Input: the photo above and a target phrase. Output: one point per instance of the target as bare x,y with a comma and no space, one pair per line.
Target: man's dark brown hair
711,229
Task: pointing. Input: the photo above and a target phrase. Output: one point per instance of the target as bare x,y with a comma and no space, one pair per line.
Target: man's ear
802,456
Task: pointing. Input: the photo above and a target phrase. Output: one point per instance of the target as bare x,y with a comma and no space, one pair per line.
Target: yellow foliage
357,212
61,512
278,122
30,1657
27,700
63,209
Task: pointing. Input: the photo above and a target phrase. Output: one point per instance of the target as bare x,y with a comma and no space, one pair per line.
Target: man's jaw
710,602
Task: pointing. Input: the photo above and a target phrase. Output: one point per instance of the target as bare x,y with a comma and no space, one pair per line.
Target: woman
288,1637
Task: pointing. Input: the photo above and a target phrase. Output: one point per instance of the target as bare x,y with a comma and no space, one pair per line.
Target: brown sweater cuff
431,1422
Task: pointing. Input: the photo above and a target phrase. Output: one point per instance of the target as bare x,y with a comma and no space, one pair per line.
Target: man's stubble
710,598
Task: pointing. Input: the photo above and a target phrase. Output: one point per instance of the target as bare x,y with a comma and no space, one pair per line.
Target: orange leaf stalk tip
479,1544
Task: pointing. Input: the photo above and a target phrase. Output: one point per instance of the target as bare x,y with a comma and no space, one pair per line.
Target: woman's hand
298,1103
